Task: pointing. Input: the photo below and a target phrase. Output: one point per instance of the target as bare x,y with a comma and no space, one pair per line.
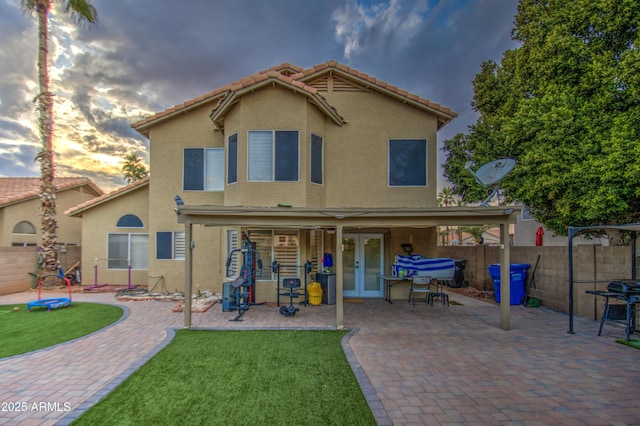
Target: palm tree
133,169
81,11
445,199
476,231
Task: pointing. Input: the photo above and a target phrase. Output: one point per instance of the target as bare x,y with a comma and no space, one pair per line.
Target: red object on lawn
539,236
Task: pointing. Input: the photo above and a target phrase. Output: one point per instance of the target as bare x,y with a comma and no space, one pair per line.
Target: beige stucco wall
356,154
355,170
69,228
167,142
100,221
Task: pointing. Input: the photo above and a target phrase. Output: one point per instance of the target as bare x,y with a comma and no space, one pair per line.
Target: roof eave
77,212
144,126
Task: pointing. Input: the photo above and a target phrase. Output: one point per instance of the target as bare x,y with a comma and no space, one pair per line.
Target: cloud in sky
145,56
363,27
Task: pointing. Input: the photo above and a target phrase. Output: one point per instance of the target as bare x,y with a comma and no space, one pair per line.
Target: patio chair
420,284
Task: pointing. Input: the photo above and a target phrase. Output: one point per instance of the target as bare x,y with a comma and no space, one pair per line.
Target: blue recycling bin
518,278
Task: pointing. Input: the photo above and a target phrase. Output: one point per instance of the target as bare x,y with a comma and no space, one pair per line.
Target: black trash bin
458,274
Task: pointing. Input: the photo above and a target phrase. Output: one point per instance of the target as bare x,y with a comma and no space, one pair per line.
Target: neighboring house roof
303,81
16,190
80,208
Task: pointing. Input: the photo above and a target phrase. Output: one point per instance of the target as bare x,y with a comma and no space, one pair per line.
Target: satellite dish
491,174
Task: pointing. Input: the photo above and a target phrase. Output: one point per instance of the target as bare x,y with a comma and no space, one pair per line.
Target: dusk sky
147,55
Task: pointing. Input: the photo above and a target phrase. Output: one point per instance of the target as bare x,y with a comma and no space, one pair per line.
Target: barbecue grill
620,313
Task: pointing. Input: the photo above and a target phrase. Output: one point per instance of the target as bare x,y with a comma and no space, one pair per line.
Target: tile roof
311,73
77,210
17,189
292,75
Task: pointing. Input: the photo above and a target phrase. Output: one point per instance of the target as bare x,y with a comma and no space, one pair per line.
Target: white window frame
213,169
134,262
278,244
252,174
178,246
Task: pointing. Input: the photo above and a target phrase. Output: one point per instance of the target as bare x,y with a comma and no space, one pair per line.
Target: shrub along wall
590,263
18,263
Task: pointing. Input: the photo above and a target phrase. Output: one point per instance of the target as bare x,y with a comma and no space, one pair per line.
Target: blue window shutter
164,244
286,157
193,169
232,159
316,159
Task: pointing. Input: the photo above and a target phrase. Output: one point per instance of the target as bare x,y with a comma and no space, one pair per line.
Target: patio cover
339,219
631,228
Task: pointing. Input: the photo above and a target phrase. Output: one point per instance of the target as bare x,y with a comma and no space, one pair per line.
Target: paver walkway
418,364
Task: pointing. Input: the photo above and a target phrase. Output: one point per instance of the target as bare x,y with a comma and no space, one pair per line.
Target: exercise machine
240,293
283,290
290,284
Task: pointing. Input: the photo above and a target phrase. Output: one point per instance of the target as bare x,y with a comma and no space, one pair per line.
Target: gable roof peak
284,68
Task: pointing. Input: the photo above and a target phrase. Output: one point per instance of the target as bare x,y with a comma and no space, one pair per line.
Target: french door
362,264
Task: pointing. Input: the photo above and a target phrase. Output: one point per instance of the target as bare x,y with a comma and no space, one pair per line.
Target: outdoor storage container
328,284
518,278
315,293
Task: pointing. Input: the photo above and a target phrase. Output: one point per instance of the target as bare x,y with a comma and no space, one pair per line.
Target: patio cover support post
188,274
339,281
505,278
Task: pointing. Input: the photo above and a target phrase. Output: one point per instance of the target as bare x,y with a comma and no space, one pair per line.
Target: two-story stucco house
305,162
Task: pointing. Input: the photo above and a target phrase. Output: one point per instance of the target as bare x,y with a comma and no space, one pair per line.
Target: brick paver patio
417,364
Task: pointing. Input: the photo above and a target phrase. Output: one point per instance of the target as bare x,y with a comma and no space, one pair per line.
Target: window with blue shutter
203,169
316,159
232,160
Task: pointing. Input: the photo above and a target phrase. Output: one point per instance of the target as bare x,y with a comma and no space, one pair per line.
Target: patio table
389,281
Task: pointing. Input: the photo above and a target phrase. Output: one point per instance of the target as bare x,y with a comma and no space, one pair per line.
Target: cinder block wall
18,263
590,263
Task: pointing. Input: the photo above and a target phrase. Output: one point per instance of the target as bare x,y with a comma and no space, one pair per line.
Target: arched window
130,221
24,227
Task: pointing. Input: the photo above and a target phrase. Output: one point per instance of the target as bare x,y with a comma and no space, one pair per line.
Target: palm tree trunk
45,123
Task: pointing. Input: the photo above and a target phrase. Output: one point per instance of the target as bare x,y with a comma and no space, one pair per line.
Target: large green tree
566,105
81,11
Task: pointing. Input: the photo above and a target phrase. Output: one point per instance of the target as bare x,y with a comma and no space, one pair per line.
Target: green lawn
24,331
240,377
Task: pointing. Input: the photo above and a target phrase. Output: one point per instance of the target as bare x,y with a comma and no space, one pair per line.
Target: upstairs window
232,159
203,169
273,156
317,160
407,162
